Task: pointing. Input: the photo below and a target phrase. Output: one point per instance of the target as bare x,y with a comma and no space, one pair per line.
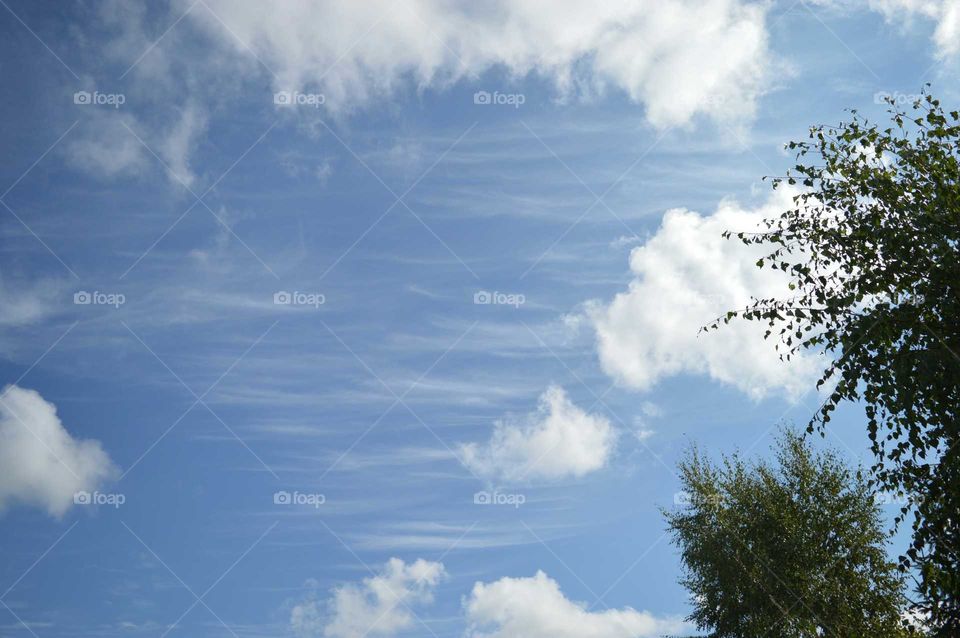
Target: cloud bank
679,59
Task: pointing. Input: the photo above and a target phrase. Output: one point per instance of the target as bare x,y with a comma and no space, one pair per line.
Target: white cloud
323,171
946,14
558,441
307,616
678,58
641,422
43,465
379,606
685,276
23,303
177,143
106,144
103,147
536,608
904,13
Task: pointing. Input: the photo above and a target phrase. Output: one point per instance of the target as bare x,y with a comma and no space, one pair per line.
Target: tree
872,250
795,549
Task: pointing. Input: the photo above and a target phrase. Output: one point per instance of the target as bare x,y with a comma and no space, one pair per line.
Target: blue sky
283,349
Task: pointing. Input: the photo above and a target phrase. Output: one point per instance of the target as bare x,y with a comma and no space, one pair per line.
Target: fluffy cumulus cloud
685,276
536,608
557,441
677,58
43,465
379,606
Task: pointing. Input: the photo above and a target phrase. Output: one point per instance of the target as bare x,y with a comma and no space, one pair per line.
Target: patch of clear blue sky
494,206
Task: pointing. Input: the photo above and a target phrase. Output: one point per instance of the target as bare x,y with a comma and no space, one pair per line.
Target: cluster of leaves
795,549
872,252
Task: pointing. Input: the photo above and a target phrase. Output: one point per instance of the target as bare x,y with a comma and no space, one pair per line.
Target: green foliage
872,250
792,550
